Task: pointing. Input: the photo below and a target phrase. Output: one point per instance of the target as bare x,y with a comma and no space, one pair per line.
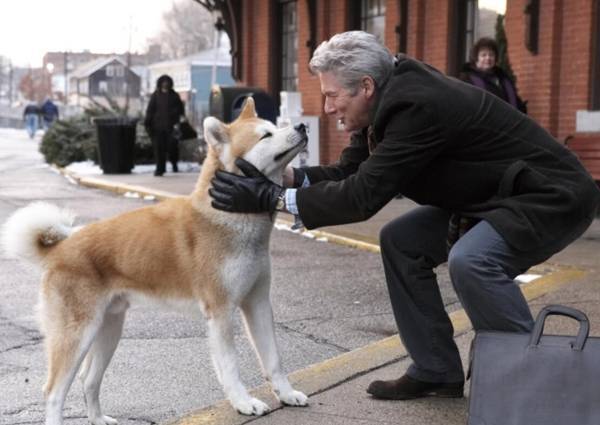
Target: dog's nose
300,128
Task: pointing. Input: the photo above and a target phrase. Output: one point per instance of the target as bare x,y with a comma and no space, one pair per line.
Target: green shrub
75,139
70,140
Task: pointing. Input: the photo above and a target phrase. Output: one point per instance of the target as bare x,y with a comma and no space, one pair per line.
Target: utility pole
10,83
66,69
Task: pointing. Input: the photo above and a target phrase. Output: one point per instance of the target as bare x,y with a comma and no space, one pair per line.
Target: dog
181,252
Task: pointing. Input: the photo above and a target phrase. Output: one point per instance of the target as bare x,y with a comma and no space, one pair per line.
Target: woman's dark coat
496,82
164,109
442,142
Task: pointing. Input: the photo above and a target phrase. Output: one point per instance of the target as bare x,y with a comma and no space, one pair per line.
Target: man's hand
251,193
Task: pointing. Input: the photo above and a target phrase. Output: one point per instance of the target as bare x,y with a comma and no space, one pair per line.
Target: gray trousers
482,267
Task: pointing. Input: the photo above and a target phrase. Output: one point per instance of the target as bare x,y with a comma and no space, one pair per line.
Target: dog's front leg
258,316
224,357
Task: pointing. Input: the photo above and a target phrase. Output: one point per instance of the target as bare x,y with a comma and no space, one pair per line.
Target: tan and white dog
178,251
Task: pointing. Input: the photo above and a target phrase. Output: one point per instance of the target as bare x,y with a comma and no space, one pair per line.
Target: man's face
351,110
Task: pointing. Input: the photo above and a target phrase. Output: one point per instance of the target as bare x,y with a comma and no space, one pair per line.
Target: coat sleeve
410,141
150,110
350,159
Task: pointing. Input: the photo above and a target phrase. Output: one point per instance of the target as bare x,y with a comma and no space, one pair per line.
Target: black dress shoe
406,388
158,173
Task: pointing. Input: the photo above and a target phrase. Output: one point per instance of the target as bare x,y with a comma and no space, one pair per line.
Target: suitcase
536,379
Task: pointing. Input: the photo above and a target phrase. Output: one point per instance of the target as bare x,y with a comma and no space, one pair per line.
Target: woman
163,114
482,72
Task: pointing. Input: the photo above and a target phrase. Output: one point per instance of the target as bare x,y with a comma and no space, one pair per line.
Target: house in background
105,77
194,76
553,46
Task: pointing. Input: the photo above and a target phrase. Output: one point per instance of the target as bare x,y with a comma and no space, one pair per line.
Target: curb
160,195
333,372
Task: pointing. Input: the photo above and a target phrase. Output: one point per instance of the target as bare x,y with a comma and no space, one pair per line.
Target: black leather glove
299,175
251,193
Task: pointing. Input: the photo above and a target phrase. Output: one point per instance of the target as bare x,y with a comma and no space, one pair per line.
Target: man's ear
367,85
215,132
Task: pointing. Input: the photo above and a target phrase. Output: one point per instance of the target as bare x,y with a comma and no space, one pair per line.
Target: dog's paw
252,406
104,420
294,398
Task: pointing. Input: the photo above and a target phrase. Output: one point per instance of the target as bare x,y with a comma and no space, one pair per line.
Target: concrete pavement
337,386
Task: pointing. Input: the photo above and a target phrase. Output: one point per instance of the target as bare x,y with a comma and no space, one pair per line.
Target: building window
402,27
463,29
595,89
289,46
102,87
115,71
372,17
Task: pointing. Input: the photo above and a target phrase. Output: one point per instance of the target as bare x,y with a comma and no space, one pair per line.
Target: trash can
116,143
225,102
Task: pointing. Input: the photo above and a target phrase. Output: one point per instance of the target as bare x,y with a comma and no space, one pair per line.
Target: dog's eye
267,134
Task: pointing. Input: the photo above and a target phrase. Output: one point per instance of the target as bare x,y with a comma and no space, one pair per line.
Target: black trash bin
116,143
225,103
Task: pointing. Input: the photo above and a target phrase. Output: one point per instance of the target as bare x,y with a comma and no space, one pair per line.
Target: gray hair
350,56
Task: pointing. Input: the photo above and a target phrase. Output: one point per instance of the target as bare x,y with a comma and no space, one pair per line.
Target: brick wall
556,81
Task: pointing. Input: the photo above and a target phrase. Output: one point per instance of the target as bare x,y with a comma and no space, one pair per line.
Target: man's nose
300,128
328,107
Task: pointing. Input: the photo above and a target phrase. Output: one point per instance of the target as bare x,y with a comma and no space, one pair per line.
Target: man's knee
464,269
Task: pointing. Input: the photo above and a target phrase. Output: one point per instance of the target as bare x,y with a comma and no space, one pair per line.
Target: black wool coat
442,142
163,112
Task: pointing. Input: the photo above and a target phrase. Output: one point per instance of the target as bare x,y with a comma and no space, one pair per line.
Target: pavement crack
314,338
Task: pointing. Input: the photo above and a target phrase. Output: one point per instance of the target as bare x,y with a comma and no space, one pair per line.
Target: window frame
595,57
288,70
365,17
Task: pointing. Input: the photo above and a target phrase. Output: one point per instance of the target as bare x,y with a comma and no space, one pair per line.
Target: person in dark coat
497,193
49,112
482,71
163,114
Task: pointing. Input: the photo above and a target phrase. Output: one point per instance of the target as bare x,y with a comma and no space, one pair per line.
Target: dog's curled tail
31,231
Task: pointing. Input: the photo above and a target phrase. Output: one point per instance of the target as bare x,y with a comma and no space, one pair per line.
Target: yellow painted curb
333,238
327,374
120,188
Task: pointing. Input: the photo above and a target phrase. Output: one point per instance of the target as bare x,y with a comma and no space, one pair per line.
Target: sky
497,5
30,28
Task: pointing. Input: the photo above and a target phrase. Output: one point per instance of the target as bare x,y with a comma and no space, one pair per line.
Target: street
328,299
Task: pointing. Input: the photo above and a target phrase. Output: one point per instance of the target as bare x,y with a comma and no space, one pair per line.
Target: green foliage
75,139
503,61
70,140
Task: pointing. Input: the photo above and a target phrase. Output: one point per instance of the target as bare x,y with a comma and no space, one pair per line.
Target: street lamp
50,70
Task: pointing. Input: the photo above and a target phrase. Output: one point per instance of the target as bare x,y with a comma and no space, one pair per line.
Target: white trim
587,121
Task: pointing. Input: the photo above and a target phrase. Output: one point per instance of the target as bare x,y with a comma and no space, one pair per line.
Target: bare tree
187,28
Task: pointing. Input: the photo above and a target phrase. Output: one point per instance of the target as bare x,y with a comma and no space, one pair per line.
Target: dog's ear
249,110
215,132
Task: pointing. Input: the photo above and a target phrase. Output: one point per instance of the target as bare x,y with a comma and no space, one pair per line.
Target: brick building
553,45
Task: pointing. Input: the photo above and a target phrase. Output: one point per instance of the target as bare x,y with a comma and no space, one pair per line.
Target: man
31,116
498,196
49,113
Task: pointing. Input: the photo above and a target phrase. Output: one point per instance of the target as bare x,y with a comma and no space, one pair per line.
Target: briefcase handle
561,310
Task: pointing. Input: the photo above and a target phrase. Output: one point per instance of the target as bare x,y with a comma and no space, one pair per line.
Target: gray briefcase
535,379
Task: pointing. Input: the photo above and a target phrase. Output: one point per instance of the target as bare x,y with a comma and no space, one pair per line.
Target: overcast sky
30,28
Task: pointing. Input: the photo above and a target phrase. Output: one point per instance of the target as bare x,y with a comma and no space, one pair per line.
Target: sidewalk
337,386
